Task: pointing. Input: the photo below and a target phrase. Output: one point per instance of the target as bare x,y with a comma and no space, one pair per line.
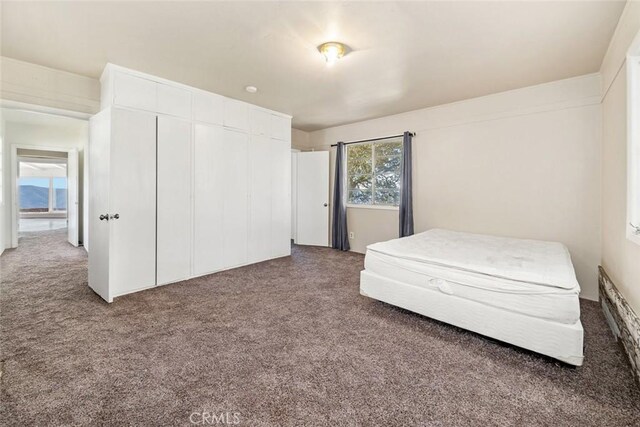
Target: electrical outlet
352,235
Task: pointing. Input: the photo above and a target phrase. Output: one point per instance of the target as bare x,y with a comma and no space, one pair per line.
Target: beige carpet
286,342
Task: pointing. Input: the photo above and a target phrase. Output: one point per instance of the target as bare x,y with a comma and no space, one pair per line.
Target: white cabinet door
313,199
281,198
236,114
135,92
132,197
260,122
174,200
174,101
280,127
99,143
209,184
236,204
260,168
208,107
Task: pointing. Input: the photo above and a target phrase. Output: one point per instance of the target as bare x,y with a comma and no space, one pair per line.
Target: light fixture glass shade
332,51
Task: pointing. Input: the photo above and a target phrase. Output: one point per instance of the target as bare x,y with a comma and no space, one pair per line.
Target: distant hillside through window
34,194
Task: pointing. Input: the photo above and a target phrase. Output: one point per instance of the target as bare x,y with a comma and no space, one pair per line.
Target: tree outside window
373,172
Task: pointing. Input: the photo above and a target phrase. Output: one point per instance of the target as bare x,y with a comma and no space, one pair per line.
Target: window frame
372,205
632,225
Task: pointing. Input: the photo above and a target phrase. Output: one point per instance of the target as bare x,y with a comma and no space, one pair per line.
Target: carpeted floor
285,342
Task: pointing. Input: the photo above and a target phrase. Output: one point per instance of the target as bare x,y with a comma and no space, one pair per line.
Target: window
373,173
42,194
34,194
59,194
633,141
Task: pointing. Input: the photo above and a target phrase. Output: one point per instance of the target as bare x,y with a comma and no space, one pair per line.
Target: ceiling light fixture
332,51
251,89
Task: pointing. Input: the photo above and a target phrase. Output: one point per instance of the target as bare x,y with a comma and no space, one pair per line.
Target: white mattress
559,340
557,304
528,277
530,261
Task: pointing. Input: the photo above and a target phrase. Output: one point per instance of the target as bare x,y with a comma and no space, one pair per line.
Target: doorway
44,175
46,191
312,198
42,192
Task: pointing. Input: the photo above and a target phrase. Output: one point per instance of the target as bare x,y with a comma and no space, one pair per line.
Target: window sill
56,214
376,207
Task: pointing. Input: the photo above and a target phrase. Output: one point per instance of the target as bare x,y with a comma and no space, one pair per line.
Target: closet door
209,191
260,122
174,200
99,137
132,196
208,107
135,92
236,114
281,198
236,191
260,168
174,101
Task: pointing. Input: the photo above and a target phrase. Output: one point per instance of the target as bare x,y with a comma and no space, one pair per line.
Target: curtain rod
374,139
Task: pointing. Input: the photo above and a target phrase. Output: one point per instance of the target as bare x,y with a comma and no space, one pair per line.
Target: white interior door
99,131
174,200
294,191
132,196
85,196
72,197
312,222
208,195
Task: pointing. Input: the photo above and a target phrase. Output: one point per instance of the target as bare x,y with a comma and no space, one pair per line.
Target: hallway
28,225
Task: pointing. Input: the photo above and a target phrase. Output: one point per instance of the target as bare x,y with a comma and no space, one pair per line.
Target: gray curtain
339,233
406,188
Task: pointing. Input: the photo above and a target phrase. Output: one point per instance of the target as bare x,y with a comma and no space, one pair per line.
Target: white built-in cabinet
173,190
235,198
186,182
209,181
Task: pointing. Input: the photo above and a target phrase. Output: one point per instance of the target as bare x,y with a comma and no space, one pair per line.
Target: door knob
116,216
325,205
103,217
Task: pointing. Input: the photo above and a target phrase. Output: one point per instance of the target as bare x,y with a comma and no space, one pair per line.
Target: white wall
300,140
34,84
620,256
39,134
523,163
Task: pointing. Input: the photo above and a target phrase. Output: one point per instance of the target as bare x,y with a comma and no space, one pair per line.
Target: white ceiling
406,55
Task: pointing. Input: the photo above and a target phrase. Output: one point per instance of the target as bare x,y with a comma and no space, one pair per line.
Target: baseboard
624,322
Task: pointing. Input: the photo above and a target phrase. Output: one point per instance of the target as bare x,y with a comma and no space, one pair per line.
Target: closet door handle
116,216
103,217
325,205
